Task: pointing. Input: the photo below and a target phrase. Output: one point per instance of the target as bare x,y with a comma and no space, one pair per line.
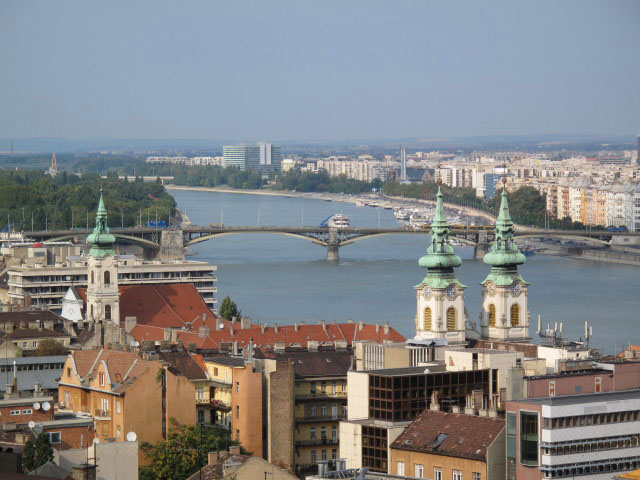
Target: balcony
220,405
320,418
305,397
317,442
101,414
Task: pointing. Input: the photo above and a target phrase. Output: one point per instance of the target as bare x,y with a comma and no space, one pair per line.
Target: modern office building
270,155
593,436
263,156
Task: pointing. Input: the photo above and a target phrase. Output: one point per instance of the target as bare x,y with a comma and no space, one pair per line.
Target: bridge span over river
170,243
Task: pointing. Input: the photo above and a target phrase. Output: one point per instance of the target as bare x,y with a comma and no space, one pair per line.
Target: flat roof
587,398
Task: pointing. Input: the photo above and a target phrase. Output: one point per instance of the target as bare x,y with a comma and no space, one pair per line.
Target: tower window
91,311
492,315
427,319
107,277
92,278
451,319
107,312
515,315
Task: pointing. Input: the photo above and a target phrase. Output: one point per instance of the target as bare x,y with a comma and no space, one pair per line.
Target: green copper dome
440,259
504,256
101,240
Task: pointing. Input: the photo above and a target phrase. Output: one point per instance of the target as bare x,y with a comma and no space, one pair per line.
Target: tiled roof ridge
90,371
167,303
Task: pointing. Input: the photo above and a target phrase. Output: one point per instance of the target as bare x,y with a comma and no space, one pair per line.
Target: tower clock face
451,292
515,288
426,292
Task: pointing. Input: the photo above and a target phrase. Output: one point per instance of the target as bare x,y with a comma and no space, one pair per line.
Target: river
279,279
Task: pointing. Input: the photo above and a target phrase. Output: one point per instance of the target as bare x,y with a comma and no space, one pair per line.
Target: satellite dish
46,406
96,440
131,437
32,424
36,406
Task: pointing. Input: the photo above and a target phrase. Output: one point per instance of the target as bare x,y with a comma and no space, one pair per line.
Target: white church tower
102,291
505,310
440,312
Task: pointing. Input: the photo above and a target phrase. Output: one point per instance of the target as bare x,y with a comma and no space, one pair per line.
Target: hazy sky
303,70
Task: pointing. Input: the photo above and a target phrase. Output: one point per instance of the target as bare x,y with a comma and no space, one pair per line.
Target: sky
318,70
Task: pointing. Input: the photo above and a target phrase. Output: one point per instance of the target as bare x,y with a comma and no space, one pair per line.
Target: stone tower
102,291
505,314
440,296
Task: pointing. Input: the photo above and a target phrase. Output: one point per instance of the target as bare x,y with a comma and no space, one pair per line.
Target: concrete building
594,436
442,445
232,464
263,156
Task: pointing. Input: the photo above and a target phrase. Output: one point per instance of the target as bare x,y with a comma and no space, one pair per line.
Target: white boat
373,204
419,220
339,221
402,214
360,203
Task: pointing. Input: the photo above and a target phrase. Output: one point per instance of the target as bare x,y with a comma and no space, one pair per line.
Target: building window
427,319
200,416
67,399
107,277
105,404
27,411
437,473
118,431
107,312
54,437
313,411
105,429
598,385
313,388
492,315
215,371
476,476
102,379
68,371
334,433
237,387
14,412
456,474
92,279
529,438
314,456
323,456
399,468
418,470
312,433
451,319
200,393
323,387
34,344
25,344
552,388
117,406
323,410
515,315
323,432
237,411
334,453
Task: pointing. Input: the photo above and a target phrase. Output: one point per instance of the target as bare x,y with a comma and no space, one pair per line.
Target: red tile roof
450,434
288,334
171,305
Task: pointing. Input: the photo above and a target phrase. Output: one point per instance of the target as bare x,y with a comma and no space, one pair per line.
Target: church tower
505,314
440,296
102,291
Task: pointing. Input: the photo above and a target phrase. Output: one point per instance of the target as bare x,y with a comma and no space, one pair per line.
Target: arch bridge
331,238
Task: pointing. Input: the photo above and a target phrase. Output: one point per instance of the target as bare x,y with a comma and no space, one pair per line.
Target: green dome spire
101,240
440,259
504,256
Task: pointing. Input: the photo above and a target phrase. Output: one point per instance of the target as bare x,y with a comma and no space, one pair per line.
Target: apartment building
124,392
46,285
456,446
593,436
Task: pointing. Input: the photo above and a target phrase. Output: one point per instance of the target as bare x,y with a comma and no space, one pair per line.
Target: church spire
504,256
101,240
440,259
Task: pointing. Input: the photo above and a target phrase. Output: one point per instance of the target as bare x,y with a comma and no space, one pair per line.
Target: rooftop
450,434
587,398
21,333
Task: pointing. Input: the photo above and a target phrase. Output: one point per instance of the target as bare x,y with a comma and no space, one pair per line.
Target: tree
229,309
49,347
37,453
183,452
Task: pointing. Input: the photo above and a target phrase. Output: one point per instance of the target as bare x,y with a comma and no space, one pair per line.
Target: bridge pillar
171,245
333,254
482,245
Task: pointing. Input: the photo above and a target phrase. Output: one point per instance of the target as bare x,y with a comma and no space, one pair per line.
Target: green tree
183,452
37,453
48,347
229,309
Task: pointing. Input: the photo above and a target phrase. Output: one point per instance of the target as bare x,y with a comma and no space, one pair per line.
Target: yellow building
218,397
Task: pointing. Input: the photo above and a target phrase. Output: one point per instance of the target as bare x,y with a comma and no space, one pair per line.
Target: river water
279,279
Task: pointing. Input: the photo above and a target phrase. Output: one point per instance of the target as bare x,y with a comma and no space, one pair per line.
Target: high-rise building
403,165
638,155
263,156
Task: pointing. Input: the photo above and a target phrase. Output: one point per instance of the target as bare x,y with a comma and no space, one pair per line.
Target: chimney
263,327
276,328
435,406
180,345
324,325
279,347
204,332
235,450
296,327
386,328
312,345
360,326
129,323
83,471
192,347
15,377
235,348
48,324
167,333
245,323
349,320
213,458
234,320
377,328
174,335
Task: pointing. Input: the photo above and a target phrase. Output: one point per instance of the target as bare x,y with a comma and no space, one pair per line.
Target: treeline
32,199
322,182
